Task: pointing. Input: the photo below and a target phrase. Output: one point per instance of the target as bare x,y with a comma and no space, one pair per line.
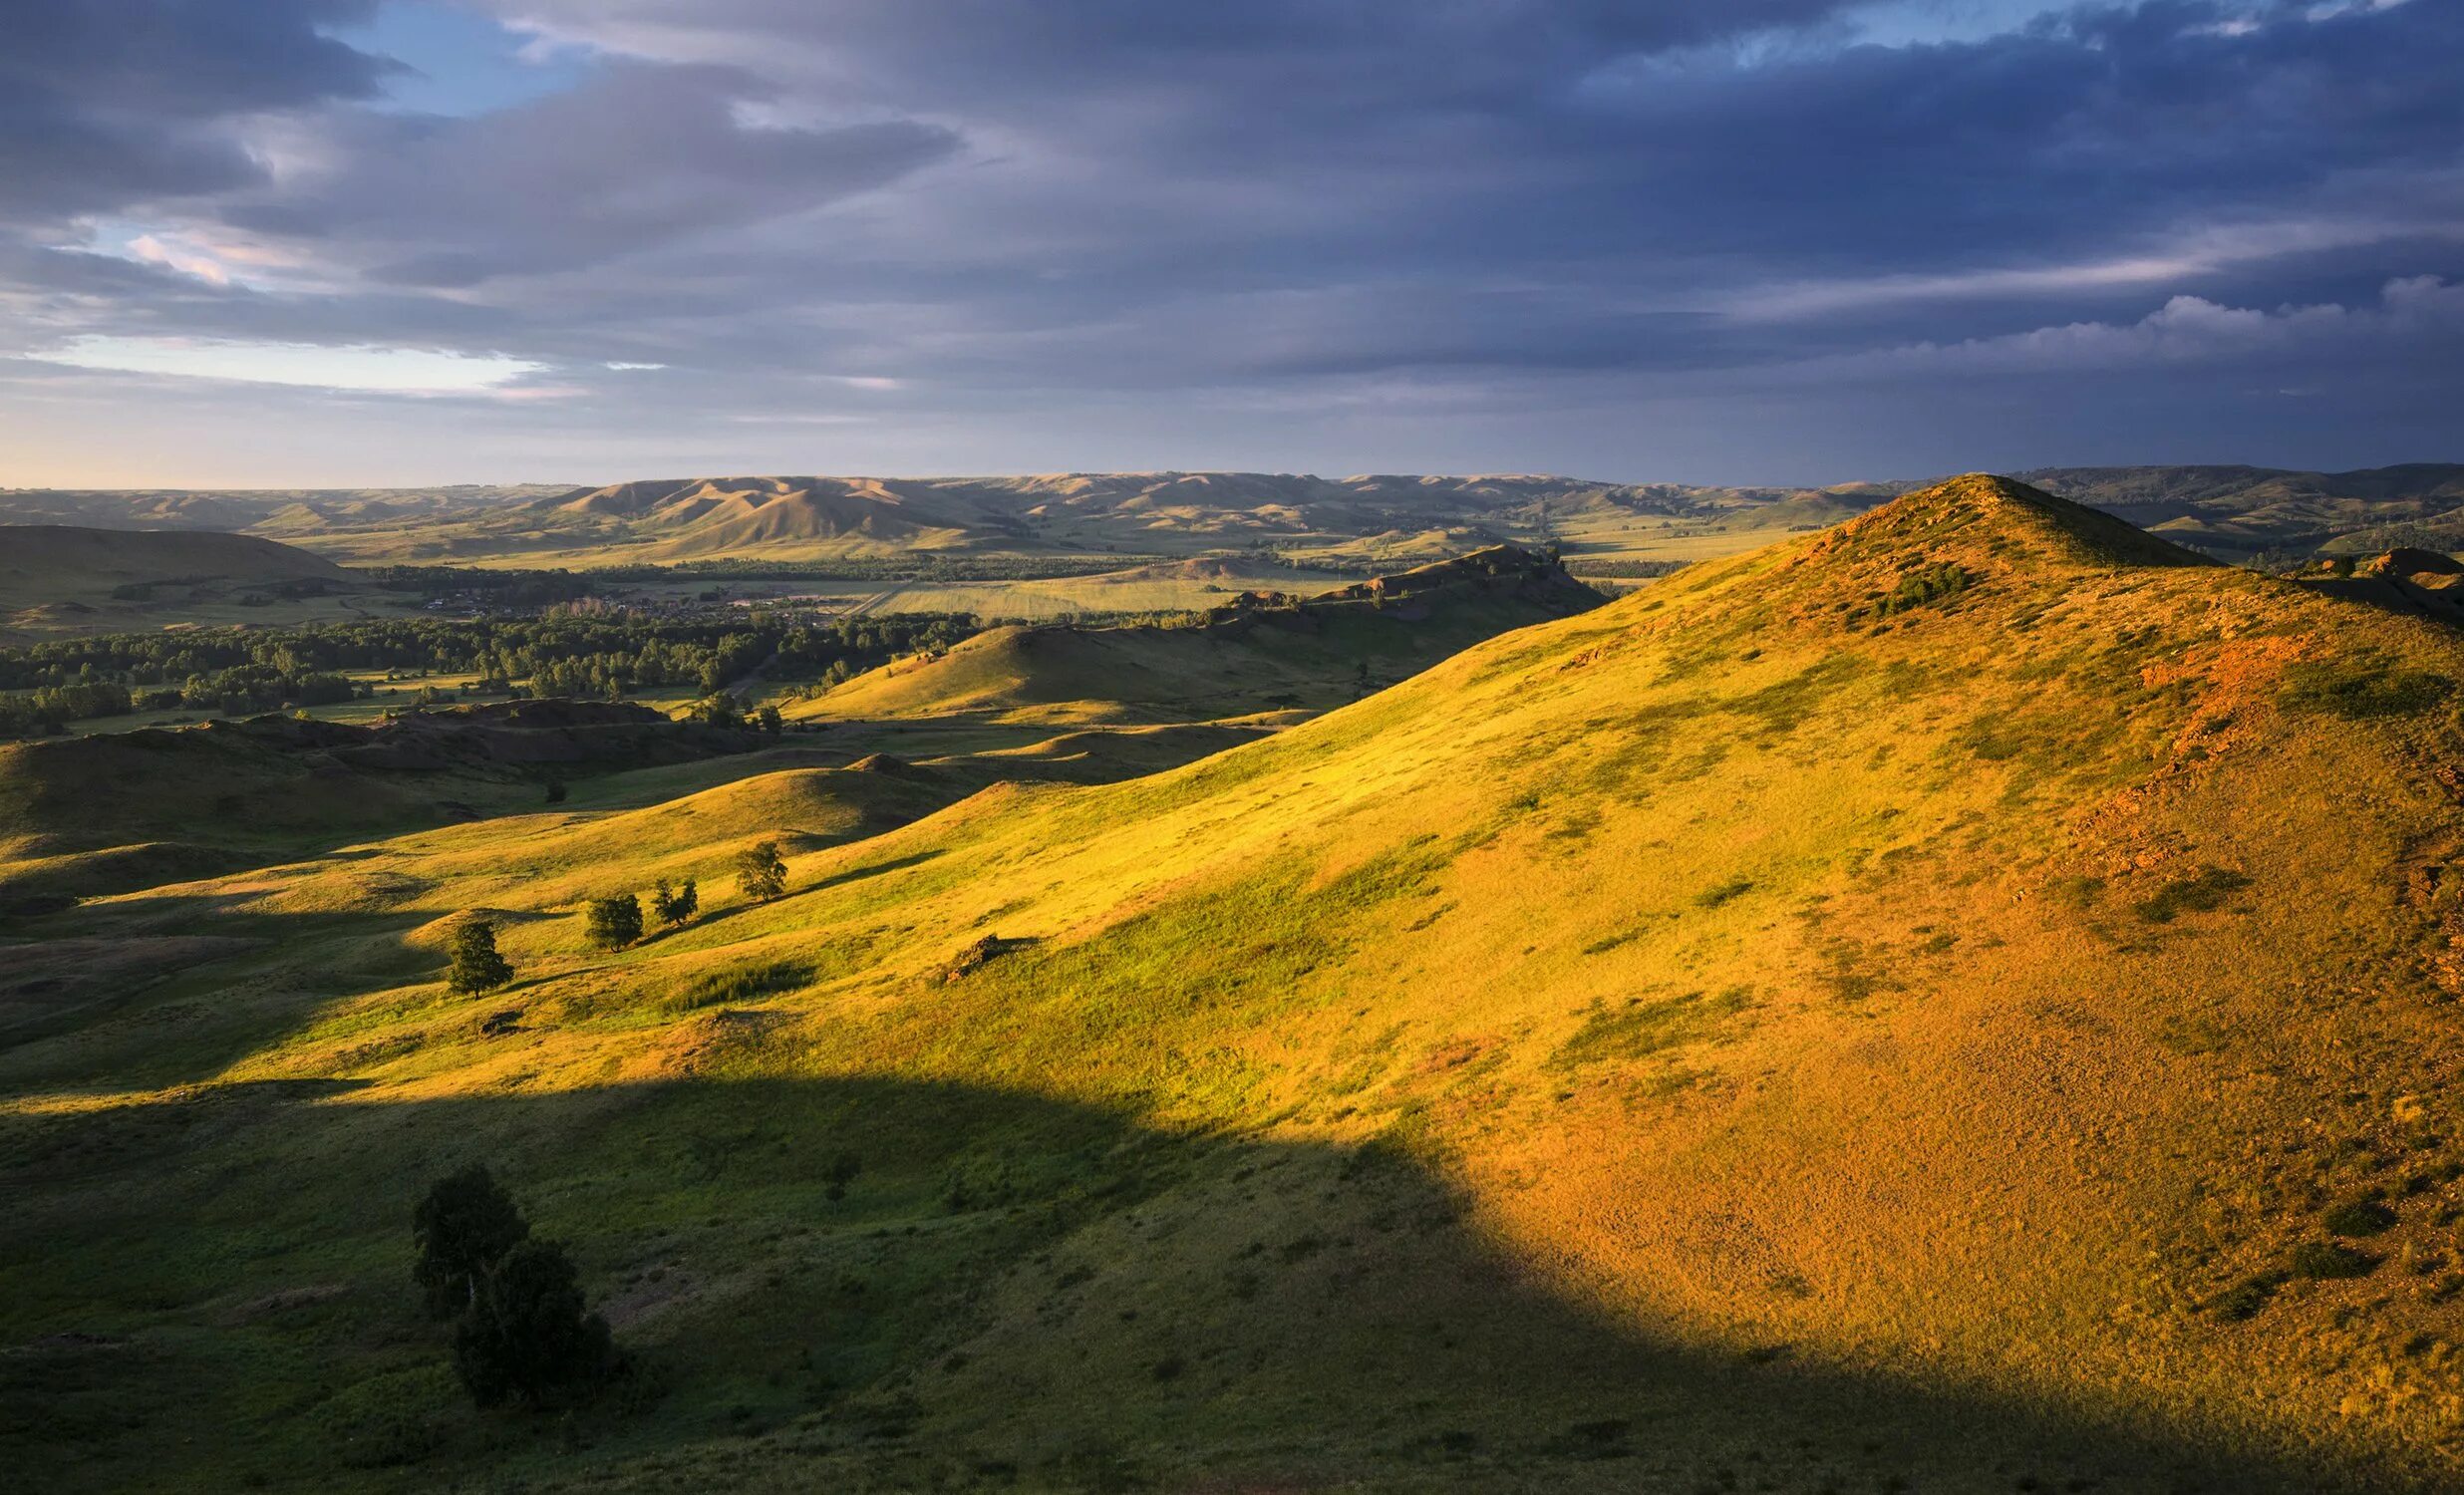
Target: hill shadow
871,1282
2392,594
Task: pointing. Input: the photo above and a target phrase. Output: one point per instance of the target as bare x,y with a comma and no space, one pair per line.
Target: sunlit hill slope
1888,1010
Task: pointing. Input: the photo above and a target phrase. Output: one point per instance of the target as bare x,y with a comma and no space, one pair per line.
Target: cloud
2412,314
949,216
105,105
391,371
634,158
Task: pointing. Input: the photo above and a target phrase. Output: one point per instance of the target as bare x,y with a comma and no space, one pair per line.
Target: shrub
614,923
389,1420
557,791
475,964
528,1331
2332,1258
2245,1298
462,1228
2202,893
1726,892
761,873
717,709
2362,1217
840,1172
1932,584
737,983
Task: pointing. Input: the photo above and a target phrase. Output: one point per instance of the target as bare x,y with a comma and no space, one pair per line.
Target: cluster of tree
616,921
522,1327
473,964
724,710
53,708
239,672
920,566
499,588
1613,569
1328,564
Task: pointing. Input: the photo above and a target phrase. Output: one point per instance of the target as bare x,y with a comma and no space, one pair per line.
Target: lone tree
674,906
528,1331
463,1229
761,873
615,922
477,967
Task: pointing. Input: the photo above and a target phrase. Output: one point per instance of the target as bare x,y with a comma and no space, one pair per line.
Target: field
1900,1009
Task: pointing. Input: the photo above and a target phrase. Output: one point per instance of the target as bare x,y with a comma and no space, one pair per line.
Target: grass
730,984
2361,693
1576,1128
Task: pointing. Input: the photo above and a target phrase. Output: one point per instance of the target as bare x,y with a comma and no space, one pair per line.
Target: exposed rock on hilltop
2407,560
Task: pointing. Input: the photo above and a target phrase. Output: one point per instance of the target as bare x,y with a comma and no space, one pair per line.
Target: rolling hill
2238,511
1275,654
815,519
781,517
1961,1001
2227,510
57,575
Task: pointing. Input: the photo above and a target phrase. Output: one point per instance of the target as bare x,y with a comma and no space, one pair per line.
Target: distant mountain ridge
2232,512
1168,510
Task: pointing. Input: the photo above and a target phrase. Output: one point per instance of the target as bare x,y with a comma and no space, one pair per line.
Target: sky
400,242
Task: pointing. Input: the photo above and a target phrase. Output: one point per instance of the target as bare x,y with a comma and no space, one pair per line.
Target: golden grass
1748,974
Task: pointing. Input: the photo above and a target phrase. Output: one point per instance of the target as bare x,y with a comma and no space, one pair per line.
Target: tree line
233,672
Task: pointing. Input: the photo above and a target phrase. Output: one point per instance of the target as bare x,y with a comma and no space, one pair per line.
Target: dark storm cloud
1545,203
104,104
2060,137
1478,157
626,161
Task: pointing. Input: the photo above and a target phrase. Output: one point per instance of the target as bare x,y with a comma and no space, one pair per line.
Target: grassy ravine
1792,1029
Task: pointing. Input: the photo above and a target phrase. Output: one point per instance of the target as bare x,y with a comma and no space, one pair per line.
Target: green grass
2364,693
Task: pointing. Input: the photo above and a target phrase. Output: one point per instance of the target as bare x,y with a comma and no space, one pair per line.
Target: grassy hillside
1913,1008
57,577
